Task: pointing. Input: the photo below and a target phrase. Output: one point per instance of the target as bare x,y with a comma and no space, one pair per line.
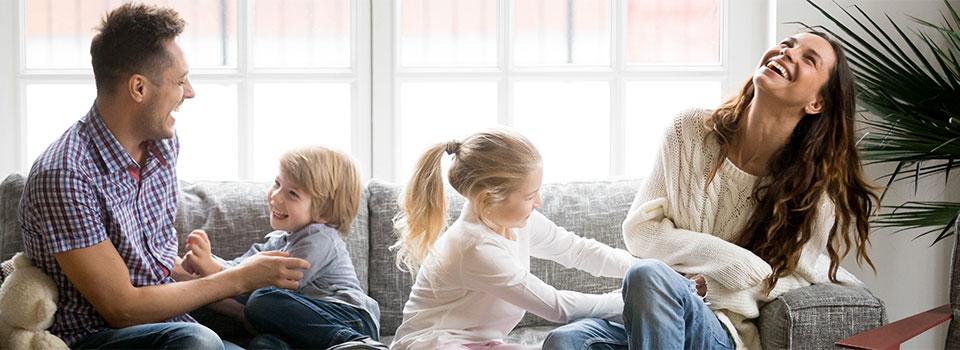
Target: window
269,75
591,82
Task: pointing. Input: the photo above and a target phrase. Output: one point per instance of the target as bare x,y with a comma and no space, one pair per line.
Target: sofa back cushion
590,209
235,215
10,239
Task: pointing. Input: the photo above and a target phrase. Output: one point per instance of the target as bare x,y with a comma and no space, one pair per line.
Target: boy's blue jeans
661,311
286,319
171,335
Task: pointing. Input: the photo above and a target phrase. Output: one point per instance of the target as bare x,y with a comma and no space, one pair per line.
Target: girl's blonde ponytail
424,208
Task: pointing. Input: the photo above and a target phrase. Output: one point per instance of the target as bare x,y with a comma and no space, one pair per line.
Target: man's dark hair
131,41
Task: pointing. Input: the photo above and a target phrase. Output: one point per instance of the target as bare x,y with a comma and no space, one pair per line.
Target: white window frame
740,19
245,76
375,81
10,136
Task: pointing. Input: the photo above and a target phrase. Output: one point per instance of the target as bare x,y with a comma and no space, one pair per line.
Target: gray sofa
234,214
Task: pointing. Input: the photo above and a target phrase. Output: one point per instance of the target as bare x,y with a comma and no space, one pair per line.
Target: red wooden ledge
890,336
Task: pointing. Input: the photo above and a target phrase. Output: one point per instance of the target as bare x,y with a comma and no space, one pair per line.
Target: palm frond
917,215
908,82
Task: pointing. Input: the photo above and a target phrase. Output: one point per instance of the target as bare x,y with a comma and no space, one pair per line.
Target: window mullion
505,82
618,152
741,20
244,91
385,140
362,116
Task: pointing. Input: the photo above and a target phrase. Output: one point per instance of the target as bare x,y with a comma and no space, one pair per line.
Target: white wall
911,275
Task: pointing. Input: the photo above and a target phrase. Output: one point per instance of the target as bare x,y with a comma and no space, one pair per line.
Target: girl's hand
198,259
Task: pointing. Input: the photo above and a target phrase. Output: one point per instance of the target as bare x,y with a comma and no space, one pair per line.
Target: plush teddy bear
28,300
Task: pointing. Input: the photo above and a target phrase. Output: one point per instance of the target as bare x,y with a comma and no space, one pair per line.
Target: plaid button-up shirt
85,189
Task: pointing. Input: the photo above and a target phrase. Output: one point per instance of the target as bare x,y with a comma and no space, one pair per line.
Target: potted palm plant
908,84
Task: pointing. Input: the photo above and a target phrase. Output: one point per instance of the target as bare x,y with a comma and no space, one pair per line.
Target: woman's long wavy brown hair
819,158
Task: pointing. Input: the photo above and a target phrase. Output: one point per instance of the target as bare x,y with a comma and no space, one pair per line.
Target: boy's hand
179,274
198,259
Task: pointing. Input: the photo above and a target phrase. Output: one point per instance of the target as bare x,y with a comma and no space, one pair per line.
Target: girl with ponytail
473,283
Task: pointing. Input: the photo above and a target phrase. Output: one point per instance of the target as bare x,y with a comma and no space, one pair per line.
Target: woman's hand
701,285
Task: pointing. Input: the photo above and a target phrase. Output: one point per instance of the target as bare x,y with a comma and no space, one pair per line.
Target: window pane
298,114
673,32
569,122
436,112
207,128
301,33
59,32
650,107
46,121
573,32
448,33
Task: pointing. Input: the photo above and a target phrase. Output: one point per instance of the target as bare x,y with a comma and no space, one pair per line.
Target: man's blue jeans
171,335
662,311
286,319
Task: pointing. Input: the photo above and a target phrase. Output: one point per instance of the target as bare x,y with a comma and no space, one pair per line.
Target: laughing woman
762,195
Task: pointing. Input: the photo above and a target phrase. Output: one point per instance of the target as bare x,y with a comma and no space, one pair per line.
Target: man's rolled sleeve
65,211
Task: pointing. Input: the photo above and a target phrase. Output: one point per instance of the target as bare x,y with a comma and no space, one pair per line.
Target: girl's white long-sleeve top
475,285
679,219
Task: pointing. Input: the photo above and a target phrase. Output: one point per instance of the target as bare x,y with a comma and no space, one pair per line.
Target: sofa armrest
892,335
817,316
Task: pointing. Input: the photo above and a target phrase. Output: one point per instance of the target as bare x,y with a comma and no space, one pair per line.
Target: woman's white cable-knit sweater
679,219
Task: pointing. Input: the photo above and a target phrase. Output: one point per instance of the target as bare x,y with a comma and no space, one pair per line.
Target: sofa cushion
389,286
235,215
796,319
527,336
590,209
11,241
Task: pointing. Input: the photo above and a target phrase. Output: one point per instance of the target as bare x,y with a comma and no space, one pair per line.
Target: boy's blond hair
487,167
330,179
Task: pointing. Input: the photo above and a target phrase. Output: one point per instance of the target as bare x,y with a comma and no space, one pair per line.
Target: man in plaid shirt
98,207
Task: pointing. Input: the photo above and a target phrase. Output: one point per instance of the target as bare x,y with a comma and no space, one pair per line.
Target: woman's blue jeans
661,311
286,319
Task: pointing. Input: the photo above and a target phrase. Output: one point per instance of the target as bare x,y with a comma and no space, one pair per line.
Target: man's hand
198,259
272,268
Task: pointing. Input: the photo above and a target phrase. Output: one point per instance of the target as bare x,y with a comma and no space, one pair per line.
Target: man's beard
156,119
